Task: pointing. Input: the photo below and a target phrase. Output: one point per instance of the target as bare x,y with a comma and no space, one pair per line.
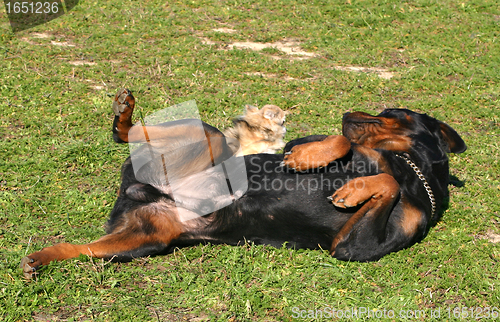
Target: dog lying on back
258,131
374,190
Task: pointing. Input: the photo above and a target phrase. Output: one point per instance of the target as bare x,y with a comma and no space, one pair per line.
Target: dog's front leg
317,154
367,227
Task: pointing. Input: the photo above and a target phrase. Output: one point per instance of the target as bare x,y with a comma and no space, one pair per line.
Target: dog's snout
360,117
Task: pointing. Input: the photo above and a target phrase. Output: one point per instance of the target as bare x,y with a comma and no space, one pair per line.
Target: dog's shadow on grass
456,182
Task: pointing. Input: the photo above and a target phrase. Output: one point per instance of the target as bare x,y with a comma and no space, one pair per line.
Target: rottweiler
374,190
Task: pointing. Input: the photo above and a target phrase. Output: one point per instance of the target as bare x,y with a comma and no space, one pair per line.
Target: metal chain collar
424,181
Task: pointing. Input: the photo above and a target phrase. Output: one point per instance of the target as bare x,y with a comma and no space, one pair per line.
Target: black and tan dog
372,191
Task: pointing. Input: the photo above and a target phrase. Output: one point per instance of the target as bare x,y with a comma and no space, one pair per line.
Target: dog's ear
251,109
454,142
269,114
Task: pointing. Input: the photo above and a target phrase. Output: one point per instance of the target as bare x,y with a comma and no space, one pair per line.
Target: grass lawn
316,59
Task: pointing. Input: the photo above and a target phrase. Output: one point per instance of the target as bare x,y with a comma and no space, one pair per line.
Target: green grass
59,166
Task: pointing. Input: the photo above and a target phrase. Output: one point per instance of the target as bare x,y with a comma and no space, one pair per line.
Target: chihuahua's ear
251,108
453,141
270,114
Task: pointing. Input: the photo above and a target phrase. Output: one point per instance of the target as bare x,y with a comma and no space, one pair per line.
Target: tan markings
379,192
130,235
123,107
156,135
412,218
387,133
317,154
210,150
375,157
165,138
358,190
388,141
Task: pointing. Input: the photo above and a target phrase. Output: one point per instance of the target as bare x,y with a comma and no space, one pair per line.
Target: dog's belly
281,206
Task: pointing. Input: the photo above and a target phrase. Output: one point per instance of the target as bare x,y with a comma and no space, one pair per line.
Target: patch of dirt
397,58
40,35
46,317
29,41
81,63
288,47
269,75
491,237
225,30
455,77
292,50
64,313
62,43
381,72
9,131
43,35
272,75
178,316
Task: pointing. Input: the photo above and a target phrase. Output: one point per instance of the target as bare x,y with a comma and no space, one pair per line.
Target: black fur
282,206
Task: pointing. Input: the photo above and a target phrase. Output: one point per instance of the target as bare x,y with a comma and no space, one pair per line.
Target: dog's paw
123,107
28,267
303,157
124,102
359,190
351,194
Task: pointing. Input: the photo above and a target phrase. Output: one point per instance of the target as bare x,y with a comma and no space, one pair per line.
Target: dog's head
401,130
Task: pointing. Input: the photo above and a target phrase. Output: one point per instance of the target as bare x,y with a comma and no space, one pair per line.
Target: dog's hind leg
141,232
167,135
124,130
123,107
